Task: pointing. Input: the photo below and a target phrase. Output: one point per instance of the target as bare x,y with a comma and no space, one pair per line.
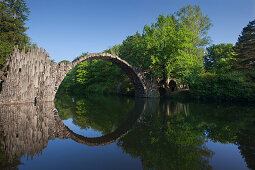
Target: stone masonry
33,77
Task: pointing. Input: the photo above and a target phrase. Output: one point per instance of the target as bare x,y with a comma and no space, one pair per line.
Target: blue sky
67,28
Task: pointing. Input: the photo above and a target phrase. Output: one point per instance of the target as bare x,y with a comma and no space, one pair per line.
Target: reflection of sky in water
69,155
226,156
85,132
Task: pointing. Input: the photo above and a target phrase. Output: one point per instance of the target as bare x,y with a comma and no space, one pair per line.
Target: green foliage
96,76
99,76
224,79
245,46
198,23
63,61
234,85
133,50
5,50
220,58
13,15
172,47
81,73
115,50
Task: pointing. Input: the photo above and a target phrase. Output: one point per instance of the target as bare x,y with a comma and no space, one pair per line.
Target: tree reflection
104,114
169,141
175,137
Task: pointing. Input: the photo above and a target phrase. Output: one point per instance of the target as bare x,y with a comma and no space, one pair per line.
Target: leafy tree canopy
196,21
172,49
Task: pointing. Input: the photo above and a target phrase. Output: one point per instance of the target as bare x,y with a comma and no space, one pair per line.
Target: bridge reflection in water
162,134
26,128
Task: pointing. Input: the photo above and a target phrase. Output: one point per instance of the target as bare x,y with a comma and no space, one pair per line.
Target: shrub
229,86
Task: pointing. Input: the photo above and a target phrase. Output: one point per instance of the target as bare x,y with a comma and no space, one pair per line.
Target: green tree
115,50
245,46
219,58
63,61
134,51
81,72
170,44
196,21
13,15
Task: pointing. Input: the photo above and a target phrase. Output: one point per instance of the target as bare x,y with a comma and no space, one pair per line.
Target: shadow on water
160,133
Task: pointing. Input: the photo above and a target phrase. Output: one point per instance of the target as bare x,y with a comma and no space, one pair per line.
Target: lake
111,132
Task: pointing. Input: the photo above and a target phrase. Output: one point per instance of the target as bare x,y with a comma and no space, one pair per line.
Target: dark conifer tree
245,46
13,15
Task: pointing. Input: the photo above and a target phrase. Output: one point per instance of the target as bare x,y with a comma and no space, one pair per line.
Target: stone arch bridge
31,76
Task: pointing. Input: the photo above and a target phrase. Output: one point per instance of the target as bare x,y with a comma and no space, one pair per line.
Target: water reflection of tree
101,113
65,106
223,123
175,136
231,124
246,142
246,139
168,142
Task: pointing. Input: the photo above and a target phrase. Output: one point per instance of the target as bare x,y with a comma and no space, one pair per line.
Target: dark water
105,132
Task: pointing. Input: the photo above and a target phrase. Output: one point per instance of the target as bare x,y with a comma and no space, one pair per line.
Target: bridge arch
133,73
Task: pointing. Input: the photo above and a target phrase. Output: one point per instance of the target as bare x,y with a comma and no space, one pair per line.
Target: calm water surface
106,132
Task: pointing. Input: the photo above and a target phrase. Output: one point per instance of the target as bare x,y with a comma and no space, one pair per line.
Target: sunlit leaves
172,47
82,72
